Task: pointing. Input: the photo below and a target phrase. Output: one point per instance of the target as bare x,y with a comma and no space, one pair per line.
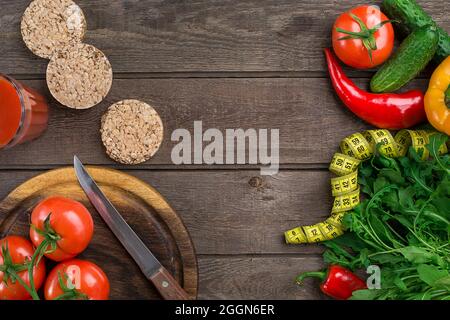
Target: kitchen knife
167,286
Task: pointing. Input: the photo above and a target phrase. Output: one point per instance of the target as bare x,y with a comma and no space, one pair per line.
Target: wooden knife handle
167,286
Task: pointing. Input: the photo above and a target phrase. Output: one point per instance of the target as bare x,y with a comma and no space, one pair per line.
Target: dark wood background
231,64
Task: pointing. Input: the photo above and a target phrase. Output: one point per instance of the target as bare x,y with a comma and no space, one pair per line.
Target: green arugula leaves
402,225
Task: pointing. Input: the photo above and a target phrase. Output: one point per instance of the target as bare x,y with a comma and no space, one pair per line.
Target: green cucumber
415,52
411,16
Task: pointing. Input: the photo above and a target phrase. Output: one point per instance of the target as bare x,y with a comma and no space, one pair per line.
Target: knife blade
167,286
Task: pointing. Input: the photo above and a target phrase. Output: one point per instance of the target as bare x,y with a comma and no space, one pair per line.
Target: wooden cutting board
145,210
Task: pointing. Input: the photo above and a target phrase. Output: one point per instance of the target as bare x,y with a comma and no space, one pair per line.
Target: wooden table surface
231,64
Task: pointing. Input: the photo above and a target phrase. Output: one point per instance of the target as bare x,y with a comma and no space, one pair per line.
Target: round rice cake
79,76
132,131
49,25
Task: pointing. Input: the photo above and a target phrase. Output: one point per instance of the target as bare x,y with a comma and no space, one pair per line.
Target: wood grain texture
234,212
264,277
198,35
309,116
147,212
232,64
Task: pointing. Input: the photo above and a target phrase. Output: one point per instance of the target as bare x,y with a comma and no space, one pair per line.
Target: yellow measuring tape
345,188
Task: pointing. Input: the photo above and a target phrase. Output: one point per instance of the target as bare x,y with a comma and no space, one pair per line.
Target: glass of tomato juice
23,113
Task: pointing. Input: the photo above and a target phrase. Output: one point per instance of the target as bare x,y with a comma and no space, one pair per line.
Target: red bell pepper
338,283
383,110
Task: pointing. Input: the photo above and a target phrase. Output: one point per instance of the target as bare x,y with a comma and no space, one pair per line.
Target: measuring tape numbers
345,189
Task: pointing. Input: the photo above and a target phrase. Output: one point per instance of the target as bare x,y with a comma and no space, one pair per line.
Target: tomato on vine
15,256
61,228
363,37
65,225
77,280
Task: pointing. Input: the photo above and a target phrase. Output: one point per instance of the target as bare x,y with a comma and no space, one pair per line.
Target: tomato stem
32,293
65,296
50,239
69,294
37,255
366,35
11,270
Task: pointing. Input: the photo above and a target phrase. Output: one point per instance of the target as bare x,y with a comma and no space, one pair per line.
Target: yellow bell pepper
435,99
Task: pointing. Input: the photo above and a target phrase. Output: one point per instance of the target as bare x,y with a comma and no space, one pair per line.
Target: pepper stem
312,274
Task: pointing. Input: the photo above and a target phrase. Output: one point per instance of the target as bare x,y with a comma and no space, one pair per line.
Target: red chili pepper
385,110
338,283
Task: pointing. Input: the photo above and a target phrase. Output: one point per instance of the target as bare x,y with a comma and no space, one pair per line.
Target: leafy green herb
402,225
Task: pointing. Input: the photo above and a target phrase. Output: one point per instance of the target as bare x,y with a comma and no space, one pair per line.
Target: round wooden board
145,210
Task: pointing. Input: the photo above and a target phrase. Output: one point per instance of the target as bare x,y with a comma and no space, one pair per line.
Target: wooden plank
233,212
258,278
201,35
309,116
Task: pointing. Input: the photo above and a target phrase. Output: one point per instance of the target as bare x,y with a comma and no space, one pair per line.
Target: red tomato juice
23,113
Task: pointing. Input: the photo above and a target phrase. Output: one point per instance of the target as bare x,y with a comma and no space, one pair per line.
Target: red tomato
85,277
70,227
371,38
19,250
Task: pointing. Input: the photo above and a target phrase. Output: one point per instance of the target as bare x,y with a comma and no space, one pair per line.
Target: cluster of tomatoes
60,229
